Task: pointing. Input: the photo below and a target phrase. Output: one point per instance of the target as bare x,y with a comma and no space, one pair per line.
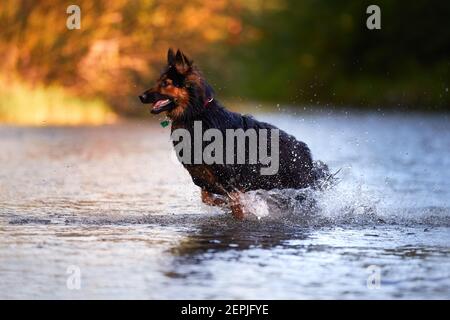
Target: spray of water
341,204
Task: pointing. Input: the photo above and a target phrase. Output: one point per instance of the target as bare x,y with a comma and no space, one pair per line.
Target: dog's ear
182,63
170,57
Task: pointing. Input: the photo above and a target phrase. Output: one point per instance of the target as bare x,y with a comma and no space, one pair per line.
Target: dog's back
296,169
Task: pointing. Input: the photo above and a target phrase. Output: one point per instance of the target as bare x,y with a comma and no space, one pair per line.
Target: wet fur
191,93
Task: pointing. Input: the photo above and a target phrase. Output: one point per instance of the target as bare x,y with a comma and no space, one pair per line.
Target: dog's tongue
160,103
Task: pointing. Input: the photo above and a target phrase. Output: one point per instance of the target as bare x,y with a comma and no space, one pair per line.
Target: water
113,203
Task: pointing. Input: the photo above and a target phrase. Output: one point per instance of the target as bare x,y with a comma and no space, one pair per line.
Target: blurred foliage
118,50
21,104
320,52
313,52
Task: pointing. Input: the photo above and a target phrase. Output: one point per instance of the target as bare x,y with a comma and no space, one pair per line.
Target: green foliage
320,52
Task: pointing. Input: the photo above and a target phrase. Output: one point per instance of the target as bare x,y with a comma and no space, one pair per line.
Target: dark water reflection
211,238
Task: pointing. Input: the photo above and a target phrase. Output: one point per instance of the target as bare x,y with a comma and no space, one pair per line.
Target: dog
185,96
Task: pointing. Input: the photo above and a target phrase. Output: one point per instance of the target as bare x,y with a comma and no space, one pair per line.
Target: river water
107,212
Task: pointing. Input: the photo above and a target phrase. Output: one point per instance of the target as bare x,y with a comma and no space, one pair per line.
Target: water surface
113,202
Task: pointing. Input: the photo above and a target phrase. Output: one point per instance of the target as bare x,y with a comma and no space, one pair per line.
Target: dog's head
180,91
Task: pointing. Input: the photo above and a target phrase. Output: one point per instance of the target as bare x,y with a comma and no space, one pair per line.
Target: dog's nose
143,97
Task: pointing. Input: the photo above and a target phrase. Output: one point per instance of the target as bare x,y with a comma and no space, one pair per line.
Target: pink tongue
160,103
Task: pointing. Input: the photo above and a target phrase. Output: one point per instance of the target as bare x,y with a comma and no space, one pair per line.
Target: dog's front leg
235,205
212,199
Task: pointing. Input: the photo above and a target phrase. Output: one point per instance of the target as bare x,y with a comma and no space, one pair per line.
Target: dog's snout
143,98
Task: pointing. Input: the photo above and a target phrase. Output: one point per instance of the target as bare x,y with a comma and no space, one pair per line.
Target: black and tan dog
183,93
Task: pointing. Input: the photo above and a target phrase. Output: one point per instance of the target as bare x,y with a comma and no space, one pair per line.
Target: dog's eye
164,84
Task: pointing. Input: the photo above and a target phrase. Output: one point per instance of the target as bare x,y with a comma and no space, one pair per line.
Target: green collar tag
165,123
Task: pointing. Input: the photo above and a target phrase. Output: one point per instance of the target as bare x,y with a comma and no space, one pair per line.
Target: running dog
183,93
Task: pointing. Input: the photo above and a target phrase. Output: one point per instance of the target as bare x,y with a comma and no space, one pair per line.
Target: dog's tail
322,176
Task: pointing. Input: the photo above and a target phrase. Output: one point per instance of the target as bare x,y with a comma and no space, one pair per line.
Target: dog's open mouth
161,105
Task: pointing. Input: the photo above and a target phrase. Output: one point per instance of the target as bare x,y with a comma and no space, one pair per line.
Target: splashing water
312,207
338,205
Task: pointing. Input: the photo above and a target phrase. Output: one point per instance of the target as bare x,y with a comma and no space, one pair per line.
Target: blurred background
114,201
306,54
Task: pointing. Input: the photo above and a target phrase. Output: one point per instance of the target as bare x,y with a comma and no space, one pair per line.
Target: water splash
340,205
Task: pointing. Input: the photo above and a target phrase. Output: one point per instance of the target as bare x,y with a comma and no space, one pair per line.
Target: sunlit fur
184,83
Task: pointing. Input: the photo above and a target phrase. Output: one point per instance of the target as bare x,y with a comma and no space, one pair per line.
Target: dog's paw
213,199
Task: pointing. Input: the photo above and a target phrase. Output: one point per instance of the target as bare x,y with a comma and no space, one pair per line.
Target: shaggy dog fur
183,93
